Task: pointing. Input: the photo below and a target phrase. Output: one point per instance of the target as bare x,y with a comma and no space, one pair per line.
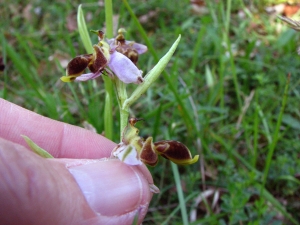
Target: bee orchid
130,49
116,54
134,150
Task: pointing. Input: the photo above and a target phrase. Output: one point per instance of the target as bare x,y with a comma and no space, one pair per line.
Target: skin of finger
123,184
41,191
34,191
59,139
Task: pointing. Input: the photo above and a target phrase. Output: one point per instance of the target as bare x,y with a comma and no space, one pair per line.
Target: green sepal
37,149
68,78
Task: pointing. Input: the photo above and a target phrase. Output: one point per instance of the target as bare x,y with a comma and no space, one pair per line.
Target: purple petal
88,76
124,69
140,48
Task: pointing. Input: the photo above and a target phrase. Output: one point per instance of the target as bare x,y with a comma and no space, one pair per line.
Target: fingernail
111,187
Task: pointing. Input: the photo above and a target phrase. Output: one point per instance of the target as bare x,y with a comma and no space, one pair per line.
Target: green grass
252,166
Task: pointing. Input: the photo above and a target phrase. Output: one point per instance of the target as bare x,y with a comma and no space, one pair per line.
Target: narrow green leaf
151,76
37,149
276,133
83,31
182,204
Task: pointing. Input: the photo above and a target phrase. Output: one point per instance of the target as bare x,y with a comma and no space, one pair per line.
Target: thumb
34,190
116,191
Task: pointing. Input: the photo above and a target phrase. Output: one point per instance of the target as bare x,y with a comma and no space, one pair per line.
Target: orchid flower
118,55
133,150
130,49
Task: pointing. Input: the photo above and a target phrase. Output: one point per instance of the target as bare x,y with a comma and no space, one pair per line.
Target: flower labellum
176,152
96,63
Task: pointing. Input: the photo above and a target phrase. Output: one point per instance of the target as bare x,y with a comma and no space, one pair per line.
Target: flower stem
108,115
122,97
120,86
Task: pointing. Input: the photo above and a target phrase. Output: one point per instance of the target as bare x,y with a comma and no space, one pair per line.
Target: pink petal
140,48
87,76
124,69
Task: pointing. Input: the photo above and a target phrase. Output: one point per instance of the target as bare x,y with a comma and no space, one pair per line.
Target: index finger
60,139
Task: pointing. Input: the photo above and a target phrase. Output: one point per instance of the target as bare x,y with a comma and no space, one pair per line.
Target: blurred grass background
227,103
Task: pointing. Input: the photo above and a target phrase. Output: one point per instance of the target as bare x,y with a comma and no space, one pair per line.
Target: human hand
77,187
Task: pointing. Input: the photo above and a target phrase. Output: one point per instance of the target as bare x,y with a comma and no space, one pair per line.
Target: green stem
120,86
108,115
122,97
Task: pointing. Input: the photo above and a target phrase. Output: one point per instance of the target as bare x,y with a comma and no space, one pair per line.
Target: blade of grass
255,132
272,145
180,195
176,175
188,198
27,49
25,72
265,123
37,149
